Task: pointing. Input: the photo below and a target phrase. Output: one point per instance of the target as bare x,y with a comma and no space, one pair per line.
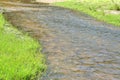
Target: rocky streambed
77,47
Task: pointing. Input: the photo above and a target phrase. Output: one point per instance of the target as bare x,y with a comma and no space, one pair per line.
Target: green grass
20,56
2,22
95,8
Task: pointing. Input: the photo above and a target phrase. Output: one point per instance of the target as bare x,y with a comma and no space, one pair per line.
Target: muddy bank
77,46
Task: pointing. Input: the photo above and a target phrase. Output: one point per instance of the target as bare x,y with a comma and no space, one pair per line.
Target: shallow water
77,46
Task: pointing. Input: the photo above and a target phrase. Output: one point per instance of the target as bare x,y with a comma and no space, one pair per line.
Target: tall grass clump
2,22
20,56
100,9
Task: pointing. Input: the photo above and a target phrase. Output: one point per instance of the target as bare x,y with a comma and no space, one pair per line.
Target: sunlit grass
95,8
20,55
2,22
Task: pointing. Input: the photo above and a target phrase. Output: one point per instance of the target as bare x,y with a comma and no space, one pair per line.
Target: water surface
77,46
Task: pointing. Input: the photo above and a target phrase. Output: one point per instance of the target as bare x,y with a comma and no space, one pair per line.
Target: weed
20,55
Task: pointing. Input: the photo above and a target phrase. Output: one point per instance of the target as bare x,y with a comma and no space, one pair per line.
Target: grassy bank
20,57
104,10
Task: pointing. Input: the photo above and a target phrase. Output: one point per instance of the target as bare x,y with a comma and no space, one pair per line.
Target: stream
77,46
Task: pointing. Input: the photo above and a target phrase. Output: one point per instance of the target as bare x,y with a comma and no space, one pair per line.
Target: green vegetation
100,9
20,57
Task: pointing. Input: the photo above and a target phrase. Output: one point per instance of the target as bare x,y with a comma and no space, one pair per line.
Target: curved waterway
77,47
